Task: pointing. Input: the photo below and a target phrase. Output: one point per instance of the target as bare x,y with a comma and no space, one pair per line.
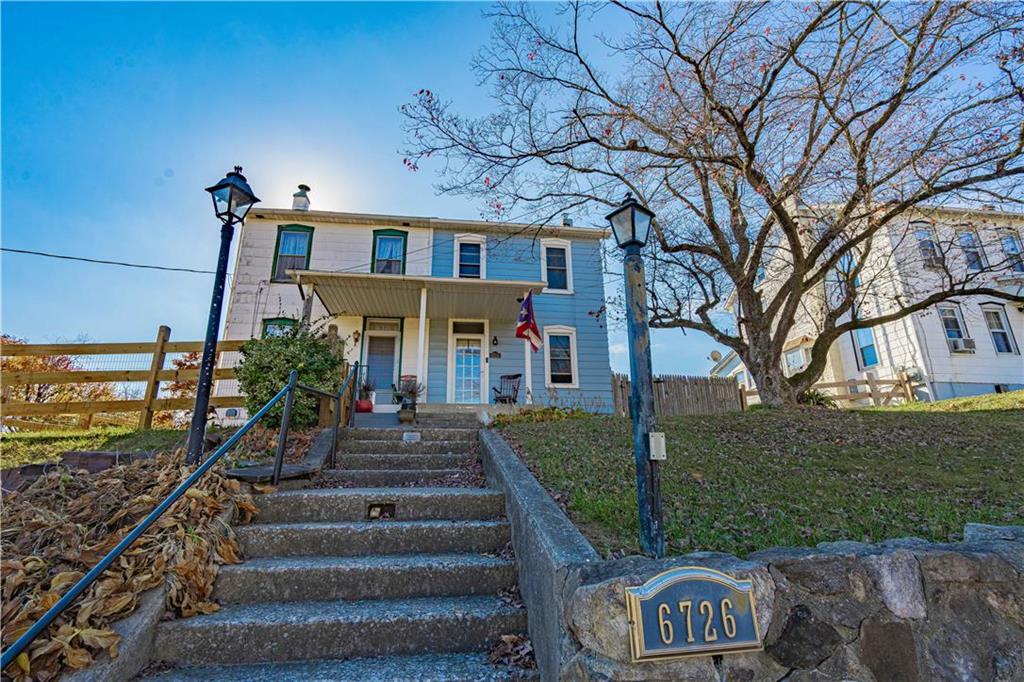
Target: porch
453,336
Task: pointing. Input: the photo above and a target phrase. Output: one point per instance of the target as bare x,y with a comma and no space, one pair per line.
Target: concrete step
371,577
397,447
360,538
446,421
386,477
466,667
351,460
470,435
295,631
352,504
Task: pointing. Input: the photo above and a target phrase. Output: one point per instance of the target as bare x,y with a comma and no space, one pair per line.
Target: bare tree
790,139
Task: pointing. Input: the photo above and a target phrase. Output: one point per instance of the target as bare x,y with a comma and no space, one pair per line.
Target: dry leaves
515,651
62,525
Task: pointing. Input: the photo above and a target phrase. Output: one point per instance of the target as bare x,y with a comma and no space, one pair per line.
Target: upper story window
278,326
927,244
999,328
867,352
971,245
470,257
294,243
1013,251
556,265
389,249
560,357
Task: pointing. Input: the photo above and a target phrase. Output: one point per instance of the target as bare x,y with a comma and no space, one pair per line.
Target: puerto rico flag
526,326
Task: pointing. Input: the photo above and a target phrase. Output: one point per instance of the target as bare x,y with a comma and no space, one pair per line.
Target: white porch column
528,371
421,338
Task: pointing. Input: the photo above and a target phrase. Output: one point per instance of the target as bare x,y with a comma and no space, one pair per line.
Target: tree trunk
773,388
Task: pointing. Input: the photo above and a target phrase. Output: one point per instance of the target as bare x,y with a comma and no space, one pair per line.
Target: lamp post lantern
631,225
232,199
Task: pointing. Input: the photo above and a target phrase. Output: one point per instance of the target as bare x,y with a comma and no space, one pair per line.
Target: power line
109,262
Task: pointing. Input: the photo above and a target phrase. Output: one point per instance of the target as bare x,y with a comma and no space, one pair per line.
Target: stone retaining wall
901,610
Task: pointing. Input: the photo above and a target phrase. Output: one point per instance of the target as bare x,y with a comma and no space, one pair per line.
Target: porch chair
508,390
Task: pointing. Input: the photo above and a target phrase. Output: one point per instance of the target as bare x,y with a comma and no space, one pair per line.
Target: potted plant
410,390
366,394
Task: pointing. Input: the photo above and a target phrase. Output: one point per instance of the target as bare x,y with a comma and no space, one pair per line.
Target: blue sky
115,116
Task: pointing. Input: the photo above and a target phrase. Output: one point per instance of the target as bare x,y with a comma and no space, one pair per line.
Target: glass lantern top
631,222
232,197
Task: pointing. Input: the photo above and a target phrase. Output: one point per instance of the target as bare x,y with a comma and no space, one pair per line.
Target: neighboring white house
963,346
431,299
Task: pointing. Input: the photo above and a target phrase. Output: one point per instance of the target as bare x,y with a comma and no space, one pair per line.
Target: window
292,250
560,357
388,256
796,360
952,322
973,253
927,245
278,326
999,328
556,265
741,379
470,257
1013,252
867,353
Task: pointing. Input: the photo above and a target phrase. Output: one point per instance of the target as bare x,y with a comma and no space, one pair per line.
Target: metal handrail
288,393
89,578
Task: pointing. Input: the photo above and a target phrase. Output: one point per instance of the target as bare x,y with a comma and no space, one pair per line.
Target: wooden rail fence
678,395
146,407
849,394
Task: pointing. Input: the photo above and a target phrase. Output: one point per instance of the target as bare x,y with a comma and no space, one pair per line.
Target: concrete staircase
329,591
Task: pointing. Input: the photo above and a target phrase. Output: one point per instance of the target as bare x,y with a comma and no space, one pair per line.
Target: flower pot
364,406
406,416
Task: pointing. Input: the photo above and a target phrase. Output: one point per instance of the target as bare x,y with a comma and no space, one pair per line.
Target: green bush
816,398
264,368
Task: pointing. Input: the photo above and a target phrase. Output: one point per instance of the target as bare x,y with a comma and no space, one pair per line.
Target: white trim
364,342
421,338
470,239
561,244
561,330
485,370
1007,329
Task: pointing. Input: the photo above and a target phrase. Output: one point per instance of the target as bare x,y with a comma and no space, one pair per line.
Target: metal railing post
337,425
282,439
355,392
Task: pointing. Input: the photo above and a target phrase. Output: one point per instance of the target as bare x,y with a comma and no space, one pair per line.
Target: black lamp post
631,225
232,199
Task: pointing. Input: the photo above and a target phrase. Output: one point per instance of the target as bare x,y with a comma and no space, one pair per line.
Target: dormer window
470,257
389,247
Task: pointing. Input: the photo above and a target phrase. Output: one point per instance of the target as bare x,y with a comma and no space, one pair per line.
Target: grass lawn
33,447
741,482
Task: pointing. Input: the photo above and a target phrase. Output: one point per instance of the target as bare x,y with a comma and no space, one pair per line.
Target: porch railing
288,395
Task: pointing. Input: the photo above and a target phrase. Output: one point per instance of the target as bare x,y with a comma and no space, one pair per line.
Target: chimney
566,220
300,200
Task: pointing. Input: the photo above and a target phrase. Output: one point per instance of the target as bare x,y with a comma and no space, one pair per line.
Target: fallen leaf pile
515,651
59,527
260,444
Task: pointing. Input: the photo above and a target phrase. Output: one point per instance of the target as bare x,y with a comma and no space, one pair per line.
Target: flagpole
528,371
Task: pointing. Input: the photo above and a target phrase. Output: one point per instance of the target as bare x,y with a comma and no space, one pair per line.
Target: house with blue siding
431,299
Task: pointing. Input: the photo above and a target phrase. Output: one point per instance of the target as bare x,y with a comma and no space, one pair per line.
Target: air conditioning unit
933,262
962,345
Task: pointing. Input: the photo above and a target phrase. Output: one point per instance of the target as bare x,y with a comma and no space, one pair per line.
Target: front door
380,364
468,369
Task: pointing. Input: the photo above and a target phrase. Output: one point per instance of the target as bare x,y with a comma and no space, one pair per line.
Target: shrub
264,368
543,414
816,398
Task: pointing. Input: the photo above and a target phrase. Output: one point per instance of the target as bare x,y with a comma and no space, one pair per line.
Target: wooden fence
153,376
678,395
856,392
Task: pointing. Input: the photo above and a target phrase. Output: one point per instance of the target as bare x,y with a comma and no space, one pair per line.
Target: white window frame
485,365
805,356
1001,312
561,330
964,332
931,257
553,242
1014,261
470,239
857,348
976,247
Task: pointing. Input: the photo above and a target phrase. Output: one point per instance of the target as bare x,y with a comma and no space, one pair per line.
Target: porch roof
377,295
